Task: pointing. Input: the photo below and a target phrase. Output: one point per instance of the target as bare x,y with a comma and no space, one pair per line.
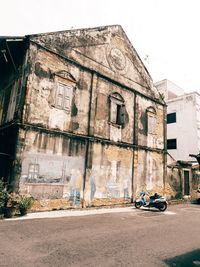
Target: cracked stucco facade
76,156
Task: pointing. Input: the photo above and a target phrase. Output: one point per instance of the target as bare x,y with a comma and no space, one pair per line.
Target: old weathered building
80,120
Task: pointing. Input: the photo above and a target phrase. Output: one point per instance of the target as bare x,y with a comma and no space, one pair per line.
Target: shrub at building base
3,198
9,212
25,204
13,203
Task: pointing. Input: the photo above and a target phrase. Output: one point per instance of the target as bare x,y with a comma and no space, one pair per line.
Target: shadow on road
146,212
149,209
190,259
197,203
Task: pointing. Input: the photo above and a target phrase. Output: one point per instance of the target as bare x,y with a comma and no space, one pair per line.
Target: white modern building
183,120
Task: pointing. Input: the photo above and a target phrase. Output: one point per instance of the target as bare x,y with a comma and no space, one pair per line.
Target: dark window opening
186,183
118,115
171,144
117,110
171,118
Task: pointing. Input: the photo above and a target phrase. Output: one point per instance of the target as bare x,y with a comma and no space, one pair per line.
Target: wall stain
74,110
41,72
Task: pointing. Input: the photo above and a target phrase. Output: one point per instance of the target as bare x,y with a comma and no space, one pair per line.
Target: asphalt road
136,238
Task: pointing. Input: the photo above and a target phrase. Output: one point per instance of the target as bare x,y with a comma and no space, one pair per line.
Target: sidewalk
71,213
85,212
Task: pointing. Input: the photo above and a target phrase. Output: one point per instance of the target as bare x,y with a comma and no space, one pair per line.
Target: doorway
186,183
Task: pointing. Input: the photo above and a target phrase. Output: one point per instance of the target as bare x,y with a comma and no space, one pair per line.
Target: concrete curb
85,211
71,213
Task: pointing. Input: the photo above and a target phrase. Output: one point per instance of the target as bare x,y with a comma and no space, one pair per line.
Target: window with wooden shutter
60,96
67,98
113,111
64,97
117,109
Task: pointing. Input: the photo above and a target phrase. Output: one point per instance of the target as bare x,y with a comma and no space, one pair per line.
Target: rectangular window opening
171,144
171,118
186,183
118,114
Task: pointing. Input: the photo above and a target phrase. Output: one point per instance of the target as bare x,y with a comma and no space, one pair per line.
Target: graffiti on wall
110,181
126,185
75,186
92,187
53,176
151,173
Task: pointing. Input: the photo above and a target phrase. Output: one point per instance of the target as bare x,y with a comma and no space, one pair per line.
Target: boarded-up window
151,120
63,97
151,124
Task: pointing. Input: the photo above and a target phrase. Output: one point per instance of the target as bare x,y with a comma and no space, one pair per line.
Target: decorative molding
116,59
65,75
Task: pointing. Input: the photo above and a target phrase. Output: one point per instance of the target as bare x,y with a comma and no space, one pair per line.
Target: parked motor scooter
155,201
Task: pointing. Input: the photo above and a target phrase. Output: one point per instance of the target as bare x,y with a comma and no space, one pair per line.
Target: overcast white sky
165,30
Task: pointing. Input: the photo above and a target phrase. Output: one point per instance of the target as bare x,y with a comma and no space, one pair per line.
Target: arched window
151,120
117,109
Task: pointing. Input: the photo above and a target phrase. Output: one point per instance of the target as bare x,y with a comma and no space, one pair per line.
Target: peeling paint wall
52,166
104,49
92,131
100,118
177,184
148,173
41,93
195,182
110,174
155,138
174,181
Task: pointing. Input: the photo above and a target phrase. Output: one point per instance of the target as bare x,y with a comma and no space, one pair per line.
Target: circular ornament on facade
116,59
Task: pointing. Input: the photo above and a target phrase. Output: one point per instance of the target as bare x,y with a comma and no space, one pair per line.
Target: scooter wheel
163,206
138,205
